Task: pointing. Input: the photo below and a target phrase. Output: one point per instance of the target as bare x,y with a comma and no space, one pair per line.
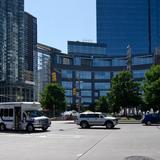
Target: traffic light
54,77
74,91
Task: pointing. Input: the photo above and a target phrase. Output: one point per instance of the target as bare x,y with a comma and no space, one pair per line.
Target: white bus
22,116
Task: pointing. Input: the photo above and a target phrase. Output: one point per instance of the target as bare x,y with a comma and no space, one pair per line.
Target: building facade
13,85
44,73
30,46
128,22
86,77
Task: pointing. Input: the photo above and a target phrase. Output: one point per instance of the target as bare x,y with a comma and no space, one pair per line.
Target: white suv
87,119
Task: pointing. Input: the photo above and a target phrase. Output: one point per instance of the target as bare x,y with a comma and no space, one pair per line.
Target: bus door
17,118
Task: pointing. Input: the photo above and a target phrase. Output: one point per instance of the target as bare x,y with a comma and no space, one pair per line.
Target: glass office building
43,67
86,48
128,22
91,74
16,56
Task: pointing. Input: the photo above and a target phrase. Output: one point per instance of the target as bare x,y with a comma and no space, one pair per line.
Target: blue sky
63,20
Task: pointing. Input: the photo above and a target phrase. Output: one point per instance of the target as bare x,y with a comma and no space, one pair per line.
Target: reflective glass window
66,74
102,75
67,84
142,60
86,93
69,100
77,61
86,100
83,75
102,85
67,60
139,73
100,62
68,92
119,62
84,85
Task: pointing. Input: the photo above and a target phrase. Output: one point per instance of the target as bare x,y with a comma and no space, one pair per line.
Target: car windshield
34,113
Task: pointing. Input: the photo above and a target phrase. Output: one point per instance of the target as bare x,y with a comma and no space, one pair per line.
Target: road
66,141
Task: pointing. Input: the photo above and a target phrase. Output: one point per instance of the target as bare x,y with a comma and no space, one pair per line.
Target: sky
63,20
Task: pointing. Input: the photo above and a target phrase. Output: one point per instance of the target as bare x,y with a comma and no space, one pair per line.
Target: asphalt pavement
66,141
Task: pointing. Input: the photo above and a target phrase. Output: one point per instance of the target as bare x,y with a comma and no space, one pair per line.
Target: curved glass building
128,22
86,76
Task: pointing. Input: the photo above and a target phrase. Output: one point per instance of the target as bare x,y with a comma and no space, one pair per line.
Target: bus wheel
30,128
2,127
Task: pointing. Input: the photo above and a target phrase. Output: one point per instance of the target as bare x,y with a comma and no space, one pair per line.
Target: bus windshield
34,113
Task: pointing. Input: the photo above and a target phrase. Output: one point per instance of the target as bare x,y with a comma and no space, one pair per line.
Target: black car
151,118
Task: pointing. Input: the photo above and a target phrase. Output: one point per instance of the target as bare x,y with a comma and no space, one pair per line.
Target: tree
152,88
102,105
53,98
124,92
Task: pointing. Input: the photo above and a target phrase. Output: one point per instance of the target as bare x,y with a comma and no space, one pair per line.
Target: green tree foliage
124,92
53,98
152,88
102,105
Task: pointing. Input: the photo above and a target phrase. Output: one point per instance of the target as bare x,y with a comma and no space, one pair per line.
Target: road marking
79,155
37,135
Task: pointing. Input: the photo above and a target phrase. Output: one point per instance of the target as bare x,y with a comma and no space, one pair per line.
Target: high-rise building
13,85
11,40
128,22
30,46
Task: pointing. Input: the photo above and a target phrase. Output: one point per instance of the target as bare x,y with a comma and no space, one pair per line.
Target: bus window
10,112
1,111
5,112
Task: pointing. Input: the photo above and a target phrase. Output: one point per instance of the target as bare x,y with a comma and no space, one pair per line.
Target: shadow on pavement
23,132
100,128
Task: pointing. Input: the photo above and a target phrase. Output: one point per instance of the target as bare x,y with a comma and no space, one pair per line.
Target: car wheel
84,125
2,127
148,123
109,125
44,128
30,128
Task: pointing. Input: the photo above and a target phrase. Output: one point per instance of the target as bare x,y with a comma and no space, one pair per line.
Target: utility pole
129,58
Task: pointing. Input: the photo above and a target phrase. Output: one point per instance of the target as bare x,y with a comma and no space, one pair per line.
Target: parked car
70,115
149,119
88,119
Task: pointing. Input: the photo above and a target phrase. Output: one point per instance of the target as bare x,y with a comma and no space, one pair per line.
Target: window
86,93
102,85
139,73
102,75
85,62
5,112
68,92
66,60
99,62
119,62
67,84
142,60
83,85
10,112
83,75
66,74
77,61
69,100
1,112
86,100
